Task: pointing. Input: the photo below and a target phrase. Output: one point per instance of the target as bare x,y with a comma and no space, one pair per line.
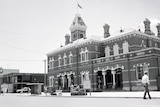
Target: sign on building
87,84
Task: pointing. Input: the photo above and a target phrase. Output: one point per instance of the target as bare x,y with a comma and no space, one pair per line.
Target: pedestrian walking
145,82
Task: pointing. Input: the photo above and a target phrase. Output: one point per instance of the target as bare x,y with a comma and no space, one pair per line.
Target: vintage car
24,90
76,90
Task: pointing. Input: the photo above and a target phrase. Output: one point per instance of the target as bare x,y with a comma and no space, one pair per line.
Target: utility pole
45,76
77,54
129,73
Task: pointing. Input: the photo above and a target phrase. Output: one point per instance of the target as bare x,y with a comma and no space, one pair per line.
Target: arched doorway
99,80
65,82
109,79
118,78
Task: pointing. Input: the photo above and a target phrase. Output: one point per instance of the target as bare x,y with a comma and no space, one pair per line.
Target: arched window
84,54
116,49
51,62
59,60
125,47
70,58
65,59
107,51
143,45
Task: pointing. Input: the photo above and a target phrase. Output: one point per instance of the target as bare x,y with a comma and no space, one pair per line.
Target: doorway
119,79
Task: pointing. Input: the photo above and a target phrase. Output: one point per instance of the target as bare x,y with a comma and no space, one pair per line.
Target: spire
78,28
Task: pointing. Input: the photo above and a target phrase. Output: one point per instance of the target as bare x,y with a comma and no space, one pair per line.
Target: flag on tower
79,5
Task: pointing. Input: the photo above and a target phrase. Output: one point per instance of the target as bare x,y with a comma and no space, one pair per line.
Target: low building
14,81
5,72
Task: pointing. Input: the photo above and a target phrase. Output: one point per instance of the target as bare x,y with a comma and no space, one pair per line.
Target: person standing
145,82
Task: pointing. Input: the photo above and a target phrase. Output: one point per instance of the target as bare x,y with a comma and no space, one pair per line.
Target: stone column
63,81
82,78
69,80
114,79
104,79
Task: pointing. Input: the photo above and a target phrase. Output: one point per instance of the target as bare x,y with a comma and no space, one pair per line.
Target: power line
22,60
11,46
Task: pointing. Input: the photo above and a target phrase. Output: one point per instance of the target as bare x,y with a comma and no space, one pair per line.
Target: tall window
65,59
51,81
143,44
51,62
83,57
59,60
70,58
139,70
125,47
107,51
116,49
156,45
84,54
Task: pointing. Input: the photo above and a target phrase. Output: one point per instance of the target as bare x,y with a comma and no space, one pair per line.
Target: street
14,100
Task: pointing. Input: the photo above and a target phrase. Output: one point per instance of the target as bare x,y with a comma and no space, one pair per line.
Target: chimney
158,30
147,26
67,39
106,30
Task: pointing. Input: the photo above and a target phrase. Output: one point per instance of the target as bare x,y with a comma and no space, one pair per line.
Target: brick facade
130,53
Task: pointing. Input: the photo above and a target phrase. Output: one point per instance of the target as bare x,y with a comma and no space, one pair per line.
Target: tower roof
146,20
78,24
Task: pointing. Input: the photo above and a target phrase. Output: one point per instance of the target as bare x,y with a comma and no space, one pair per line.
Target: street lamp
44,75
77,65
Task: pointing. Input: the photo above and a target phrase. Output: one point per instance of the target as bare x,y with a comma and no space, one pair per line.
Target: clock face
81,35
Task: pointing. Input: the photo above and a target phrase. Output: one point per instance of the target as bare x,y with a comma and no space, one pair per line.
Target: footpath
138,94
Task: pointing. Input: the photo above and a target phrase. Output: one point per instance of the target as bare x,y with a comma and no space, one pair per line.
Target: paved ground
139,94
104,99
18,100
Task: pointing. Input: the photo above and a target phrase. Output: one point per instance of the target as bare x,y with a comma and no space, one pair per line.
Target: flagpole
77,7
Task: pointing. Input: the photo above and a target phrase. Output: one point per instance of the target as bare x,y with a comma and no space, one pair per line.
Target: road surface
14,100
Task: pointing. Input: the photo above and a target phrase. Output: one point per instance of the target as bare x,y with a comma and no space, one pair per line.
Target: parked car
23,90
76,90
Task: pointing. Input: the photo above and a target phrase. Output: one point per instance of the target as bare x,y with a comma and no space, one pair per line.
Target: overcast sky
31,28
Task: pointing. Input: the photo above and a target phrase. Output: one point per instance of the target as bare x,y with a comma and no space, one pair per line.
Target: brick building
114,62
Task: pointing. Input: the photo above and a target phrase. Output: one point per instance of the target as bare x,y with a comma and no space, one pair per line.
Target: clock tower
78,28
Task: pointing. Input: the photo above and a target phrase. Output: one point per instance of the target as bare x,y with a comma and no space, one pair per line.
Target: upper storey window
143,44
116,49
156,45
107,51
65,59
84,54
51,62
70,58
59,60
125,47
